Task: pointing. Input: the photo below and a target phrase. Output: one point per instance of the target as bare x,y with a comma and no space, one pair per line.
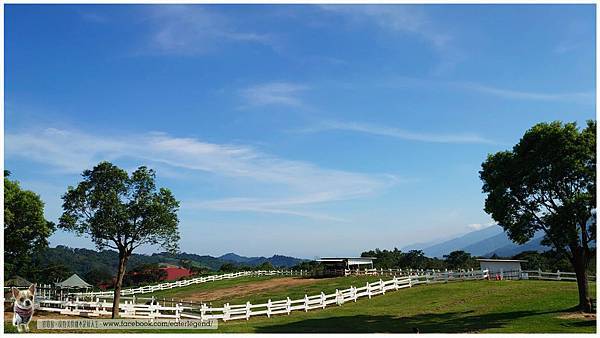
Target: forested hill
62,260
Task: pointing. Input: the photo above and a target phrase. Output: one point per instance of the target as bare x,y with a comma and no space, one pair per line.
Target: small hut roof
73,282
18,281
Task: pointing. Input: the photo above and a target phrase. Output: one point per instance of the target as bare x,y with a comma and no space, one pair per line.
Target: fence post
323,299
288,305
226,312
202,311
368,290
247,310
558,274
269,308
305,303
382,287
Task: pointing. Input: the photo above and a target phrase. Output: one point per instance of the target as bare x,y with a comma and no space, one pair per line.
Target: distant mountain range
485,242
275,260
82,261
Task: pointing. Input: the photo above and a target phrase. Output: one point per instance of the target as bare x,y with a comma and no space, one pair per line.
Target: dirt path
248,288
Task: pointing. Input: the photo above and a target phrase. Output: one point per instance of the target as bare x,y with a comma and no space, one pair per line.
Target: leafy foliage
547,182
144,275
26,231
396,259
460,260
121,212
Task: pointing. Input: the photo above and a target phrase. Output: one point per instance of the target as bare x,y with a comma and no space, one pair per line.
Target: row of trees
416,259
230,267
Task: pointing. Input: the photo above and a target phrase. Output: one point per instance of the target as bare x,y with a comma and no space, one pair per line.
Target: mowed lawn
475,306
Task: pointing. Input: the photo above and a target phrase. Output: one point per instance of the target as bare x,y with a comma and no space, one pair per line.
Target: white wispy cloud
479,226
397,18
527,95
274,93
270,206
408,20
585,97
94,17
296,184
398,133
194,29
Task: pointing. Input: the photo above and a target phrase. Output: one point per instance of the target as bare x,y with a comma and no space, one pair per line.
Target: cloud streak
408,20
195,30
274,93
397,133
527,95
293,186
394,18
583,97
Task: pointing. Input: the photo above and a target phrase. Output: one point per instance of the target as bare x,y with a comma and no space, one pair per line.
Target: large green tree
460,259
547,182
26,231
121,212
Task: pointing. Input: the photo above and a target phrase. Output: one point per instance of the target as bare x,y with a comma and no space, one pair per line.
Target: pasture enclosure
100,303
153,310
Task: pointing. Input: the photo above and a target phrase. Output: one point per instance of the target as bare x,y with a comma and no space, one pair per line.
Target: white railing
394,272
558,275
247,310
188,282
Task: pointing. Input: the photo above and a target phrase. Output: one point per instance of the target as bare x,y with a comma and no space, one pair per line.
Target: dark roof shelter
73,282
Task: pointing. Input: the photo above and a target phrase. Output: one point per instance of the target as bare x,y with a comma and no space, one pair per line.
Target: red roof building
174,273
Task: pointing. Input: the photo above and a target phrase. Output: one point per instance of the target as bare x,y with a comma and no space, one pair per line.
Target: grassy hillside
478,306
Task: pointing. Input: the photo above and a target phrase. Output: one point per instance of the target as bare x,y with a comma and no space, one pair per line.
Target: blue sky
298,130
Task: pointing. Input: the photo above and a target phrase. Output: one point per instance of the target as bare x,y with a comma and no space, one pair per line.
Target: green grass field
476,306
480,306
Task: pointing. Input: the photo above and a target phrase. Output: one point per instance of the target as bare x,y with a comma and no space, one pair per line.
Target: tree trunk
579,263
118,283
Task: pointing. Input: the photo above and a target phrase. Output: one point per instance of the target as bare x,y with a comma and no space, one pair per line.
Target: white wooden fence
245,311
558,275
188,282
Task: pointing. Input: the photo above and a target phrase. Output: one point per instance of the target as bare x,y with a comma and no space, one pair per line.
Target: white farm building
501,265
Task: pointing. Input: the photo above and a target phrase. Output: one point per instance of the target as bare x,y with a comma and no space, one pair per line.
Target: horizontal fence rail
558,275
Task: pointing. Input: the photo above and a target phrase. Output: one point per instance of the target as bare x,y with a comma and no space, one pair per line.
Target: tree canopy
26,231
547,182
121,212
